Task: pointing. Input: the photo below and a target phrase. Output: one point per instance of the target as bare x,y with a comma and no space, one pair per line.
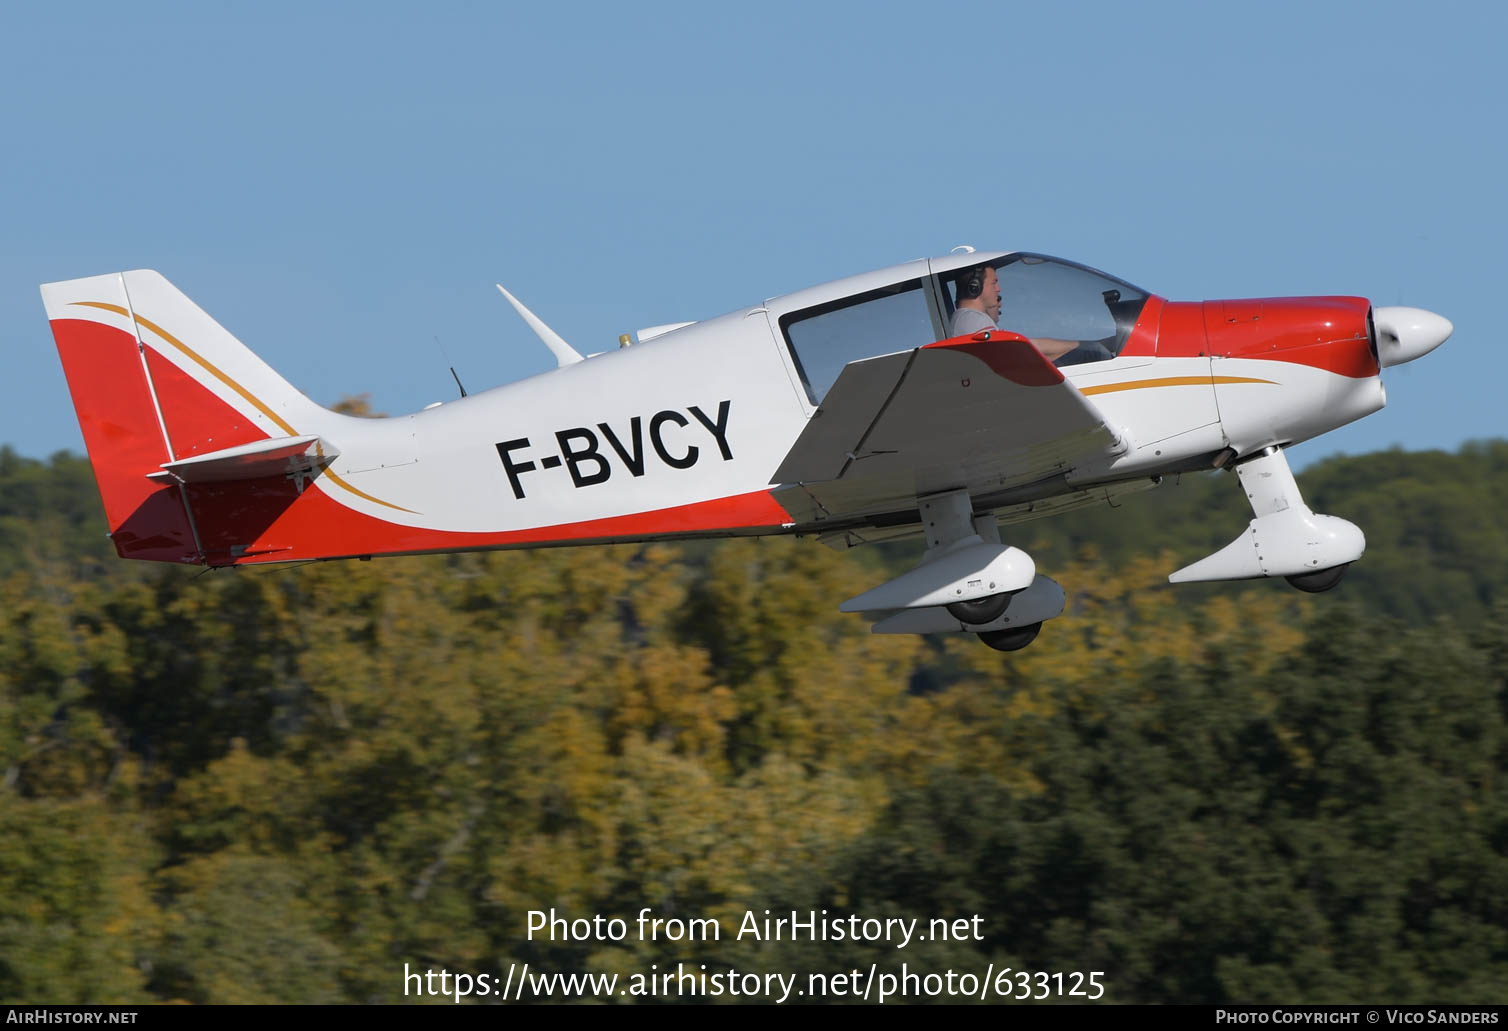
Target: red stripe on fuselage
278,528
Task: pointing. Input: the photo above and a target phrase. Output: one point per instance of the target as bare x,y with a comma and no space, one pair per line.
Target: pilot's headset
971,283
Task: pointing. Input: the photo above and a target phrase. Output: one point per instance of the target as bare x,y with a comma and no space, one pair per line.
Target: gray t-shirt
970,320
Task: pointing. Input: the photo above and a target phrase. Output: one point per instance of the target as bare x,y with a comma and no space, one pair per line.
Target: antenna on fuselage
452,367
564,353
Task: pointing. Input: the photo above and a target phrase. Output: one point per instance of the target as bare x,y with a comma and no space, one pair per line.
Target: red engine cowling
1329,333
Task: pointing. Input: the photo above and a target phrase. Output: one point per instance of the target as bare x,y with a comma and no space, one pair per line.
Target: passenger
978,309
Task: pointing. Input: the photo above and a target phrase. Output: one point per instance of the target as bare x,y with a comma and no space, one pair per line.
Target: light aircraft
848,411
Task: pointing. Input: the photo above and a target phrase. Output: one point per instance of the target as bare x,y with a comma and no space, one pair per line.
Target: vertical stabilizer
155,381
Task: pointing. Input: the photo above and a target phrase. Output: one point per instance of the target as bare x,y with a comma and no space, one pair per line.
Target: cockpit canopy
1075,314
1050,297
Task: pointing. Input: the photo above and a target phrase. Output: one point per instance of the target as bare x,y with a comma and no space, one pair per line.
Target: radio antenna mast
453,375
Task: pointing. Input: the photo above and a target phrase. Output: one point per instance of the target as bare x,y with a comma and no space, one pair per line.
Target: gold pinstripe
1170,381
251,398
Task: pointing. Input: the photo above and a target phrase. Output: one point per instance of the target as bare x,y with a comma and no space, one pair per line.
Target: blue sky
340,185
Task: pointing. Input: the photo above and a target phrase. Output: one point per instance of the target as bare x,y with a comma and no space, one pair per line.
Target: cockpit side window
1076,314
827,337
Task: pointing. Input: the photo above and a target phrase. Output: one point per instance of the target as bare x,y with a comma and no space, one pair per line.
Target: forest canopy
284,784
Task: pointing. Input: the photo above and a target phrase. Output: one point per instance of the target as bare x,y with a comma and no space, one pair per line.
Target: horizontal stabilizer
279,456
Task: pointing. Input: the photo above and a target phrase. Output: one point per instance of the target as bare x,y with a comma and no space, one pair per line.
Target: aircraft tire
1319,581
981,610
1011,639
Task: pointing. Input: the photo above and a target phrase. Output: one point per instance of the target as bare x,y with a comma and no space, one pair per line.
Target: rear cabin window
826,338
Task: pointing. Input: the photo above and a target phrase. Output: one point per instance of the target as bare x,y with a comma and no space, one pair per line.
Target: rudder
106,371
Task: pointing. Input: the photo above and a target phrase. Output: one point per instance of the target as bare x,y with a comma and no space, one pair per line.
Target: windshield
1073,313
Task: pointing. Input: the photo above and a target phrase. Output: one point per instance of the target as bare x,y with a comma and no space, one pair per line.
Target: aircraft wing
987,412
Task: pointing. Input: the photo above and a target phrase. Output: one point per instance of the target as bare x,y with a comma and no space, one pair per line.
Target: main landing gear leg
966,580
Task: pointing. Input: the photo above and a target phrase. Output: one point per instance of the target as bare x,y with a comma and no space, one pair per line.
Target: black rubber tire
1319,581
1011,639
981,610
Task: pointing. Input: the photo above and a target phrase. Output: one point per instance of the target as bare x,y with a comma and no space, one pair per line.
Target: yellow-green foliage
285,784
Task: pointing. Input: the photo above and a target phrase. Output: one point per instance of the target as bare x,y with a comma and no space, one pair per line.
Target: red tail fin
123,431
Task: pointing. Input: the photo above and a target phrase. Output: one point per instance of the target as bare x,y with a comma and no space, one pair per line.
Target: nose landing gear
1285,537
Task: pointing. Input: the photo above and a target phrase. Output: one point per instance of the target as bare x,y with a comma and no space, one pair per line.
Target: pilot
978,309
978,301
